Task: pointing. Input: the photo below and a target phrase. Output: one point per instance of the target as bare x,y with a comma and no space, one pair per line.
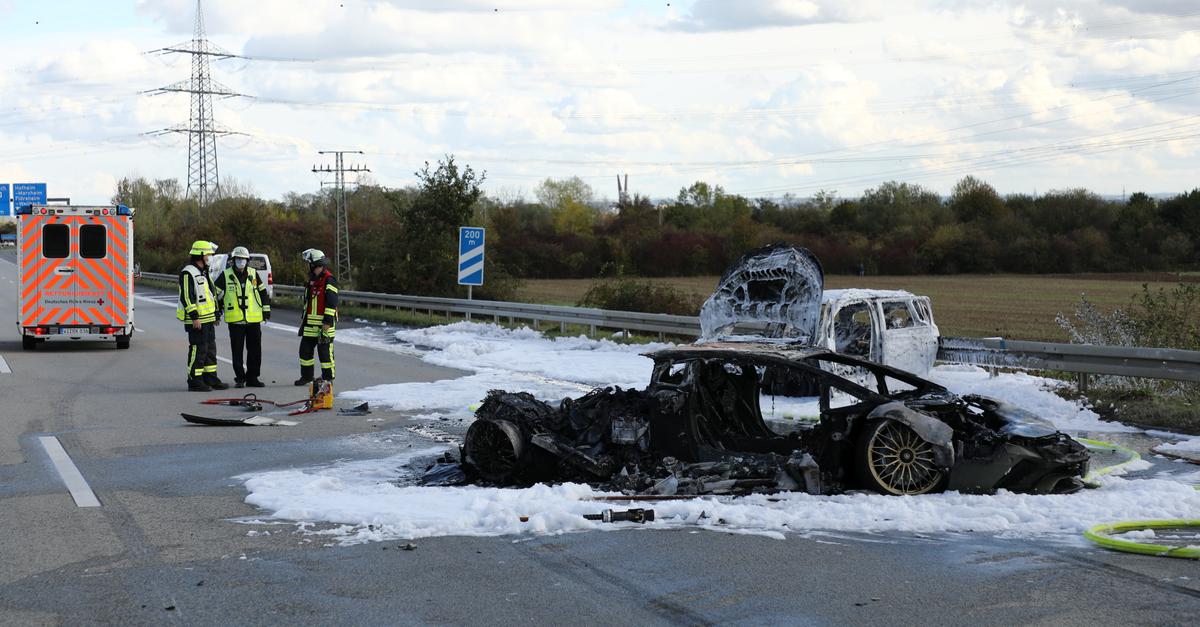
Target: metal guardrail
1085,359
1150,363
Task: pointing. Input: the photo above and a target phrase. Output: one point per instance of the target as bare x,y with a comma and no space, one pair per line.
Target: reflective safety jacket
244,298
321,299
195,296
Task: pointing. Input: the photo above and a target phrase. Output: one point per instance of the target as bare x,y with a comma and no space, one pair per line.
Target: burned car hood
1017,421
778,286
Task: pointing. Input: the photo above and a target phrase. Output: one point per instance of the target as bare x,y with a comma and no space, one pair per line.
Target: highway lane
162,548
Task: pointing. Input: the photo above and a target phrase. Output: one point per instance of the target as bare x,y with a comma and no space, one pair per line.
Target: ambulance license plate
73,331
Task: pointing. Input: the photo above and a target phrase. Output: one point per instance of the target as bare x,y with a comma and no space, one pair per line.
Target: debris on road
637,515
252,421
362,409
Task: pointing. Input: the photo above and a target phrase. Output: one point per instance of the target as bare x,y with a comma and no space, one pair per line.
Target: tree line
404,239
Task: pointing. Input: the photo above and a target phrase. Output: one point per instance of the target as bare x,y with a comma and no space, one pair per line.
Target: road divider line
139,330
225,359
281,327
4,369
78,486
148,299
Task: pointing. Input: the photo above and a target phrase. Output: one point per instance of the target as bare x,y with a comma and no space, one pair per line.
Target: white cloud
917,90
722,15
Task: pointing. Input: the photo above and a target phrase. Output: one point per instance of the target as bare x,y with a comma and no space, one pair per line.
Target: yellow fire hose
1103,534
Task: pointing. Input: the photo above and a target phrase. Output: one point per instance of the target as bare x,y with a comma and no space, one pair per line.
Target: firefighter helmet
313,257
201,247
239,253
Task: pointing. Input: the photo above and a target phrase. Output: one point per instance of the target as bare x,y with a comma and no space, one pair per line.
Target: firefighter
318,323
198,311
245,304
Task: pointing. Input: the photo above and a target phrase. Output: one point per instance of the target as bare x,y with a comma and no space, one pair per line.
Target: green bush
627,294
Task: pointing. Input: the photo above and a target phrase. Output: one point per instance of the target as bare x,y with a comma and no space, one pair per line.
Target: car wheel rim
901,461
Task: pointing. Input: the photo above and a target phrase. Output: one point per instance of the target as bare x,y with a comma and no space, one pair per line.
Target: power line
342,226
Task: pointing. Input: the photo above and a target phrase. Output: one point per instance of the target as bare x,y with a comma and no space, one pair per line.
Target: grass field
1012,306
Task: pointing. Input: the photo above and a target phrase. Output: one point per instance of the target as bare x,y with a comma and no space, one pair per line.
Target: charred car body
699,426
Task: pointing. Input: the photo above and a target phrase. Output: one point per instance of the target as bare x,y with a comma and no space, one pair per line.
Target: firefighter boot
215,383
306,376
254,382
198,385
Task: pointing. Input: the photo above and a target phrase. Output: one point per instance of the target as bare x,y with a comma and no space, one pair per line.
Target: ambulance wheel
28,343
123,342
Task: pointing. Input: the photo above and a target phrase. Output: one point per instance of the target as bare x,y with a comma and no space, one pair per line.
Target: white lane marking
139,330
149,299
80,490
8,261
225,359
4,369
281,327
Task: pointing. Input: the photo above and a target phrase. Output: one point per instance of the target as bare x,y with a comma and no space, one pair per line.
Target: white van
259,261
779,291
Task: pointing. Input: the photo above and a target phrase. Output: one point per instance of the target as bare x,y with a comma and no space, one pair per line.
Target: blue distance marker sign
28,194
5,205
470,255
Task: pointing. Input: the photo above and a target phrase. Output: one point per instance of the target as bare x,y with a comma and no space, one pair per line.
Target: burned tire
495,448
28,343
892,459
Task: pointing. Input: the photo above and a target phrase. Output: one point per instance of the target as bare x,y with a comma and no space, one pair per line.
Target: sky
763,97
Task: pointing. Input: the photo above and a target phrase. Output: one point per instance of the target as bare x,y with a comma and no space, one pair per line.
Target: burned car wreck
777,411
699,428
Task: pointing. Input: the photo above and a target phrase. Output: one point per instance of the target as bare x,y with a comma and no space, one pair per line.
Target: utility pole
203,178
622,191
342,226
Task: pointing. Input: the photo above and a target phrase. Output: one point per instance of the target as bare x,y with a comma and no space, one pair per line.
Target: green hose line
1131,456
1102,535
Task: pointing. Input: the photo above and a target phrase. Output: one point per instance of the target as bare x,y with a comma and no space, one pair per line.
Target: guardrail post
562,328
1083,382
592,331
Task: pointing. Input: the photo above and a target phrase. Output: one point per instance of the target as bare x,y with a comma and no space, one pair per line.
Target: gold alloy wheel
900,461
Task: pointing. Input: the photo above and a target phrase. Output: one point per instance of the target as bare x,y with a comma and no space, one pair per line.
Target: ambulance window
56,241
93,241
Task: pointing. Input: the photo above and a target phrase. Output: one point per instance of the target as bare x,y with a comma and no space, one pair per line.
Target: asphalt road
161,548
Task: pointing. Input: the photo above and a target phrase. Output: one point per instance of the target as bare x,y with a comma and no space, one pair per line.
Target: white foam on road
1187,446
76,484
512,359
374,500
366,501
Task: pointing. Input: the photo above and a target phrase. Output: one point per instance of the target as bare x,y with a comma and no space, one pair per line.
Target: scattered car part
252,421
637,515
358,410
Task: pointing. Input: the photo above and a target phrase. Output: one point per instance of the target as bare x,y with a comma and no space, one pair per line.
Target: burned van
778,292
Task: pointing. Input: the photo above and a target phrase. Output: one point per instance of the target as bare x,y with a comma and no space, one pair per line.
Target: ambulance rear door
55,282
102,281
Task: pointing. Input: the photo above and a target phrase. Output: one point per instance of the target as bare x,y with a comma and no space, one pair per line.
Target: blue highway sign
5,206
470,255
28,194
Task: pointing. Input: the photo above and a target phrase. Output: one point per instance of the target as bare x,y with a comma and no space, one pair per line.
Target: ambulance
75,265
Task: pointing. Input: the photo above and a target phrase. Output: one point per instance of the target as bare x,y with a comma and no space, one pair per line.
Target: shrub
628,294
